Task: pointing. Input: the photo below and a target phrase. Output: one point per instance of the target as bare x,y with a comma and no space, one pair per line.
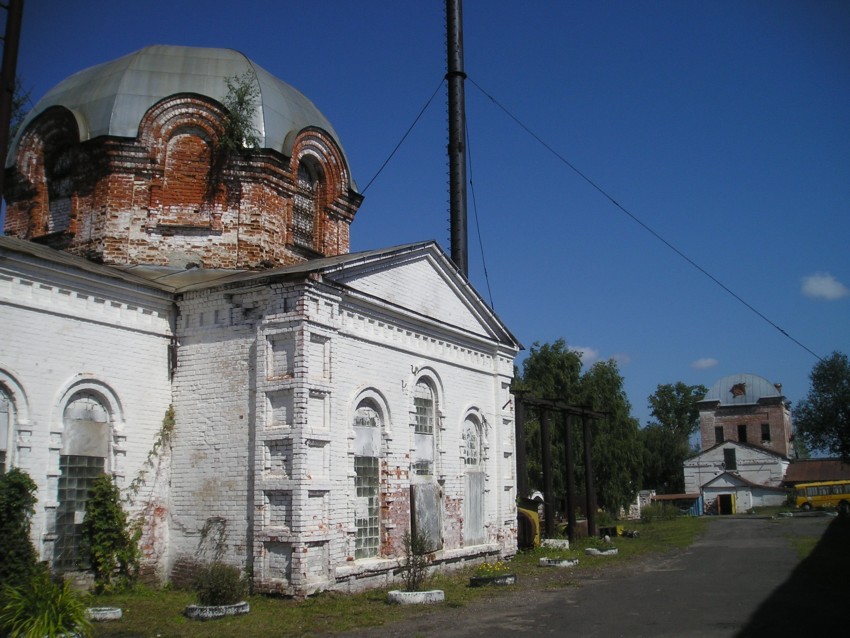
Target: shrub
17,501
43,608
415,567
658,512
219,584
107,543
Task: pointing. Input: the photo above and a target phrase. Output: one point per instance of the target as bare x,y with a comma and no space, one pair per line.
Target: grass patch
152,612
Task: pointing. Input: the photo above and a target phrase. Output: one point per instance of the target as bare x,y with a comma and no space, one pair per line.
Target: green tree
616,449
551,371
107,542
822,419
554,371
17,504
666,442
663,455
674,406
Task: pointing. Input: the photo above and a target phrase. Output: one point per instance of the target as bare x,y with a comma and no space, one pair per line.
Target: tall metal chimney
457,135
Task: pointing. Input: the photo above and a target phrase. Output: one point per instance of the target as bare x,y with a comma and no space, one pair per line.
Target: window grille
472,444
367,506
76,479
304,208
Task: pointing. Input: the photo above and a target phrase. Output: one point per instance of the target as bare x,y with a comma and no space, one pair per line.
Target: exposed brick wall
171,196
771,412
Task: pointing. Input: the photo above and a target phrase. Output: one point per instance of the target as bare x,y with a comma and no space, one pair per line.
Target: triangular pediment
420,279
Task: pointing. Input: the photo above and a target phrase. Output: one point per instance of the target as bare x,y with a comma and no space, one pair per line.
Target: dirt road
742,577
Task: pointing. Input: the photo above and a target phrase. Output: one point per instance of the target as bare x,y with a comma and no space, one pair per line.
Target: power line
475,210
637,220
404,137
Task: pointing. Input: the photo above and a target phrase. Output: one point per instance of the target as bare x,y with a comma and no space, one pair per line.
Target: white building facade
198,330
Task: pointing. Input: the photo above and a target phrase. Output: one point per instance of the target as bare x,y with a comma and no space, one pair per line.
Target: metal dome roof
741,389
111,98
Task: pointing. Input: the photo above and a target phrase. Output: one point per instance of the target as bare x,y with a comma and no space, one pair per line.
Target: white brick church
324,402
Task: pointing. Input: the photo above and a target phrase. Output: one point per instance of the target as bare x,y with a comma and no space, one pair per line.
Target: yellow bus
823,494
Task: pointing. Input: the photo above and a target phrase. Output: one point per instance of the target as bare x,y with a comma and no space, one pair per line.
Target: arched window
367,507
471,443
425,407
7,430
306,204
85,448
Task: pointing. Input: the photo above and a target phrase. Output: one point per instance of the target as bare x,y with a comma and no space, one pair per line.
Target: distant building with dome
746,442
191,321
749,409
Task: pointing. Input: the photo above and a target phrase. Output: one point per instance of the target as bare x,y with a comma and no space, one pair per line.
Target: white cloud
588,355
704,363
622,358
822,285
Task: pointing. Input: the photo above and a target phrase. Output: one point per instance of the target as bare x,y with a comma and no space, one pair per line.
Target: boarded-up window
427,515
474,484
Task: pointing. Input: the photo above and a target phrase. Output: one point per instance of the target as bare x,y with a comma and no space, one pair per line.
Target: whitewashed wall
64,330
265,392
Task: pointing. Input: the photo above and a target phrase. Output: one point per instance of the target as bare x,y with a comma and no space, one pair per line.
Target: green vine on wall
108,543
163,438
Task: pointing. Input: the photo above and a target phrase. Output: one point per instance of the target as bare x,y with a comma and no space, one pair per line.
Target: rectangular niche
318,510
281,355
318,464
318,410
278,510
278,458
316,567
280,408
278,561
319,357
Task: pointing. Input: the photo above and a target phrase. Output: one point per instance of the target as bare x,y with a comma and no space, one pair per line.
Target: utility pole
14,13
457,135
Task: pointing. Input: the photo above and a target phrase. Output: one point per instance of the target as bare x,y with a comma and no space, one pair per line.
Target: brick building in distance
746,445
324,402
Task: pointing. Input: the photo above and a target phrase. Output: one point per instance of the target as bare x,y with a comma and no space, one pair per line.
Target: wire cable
638,221
404,137
475,210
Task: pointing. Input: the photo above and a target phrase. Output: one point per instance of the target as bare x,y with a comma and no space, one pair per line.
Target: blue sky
722,126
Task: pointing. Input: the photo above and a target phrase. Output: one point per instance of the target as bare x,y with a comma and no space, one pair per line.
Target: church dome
742,389
111,98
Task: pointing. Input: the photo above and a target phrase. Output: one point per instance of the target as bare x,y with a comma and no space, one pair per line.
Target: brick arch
179,114
331,199
320,147
40,203
181,133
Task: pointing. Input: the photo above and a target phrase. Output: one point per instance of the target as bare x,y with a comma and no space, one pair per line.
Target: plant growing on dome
241,104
